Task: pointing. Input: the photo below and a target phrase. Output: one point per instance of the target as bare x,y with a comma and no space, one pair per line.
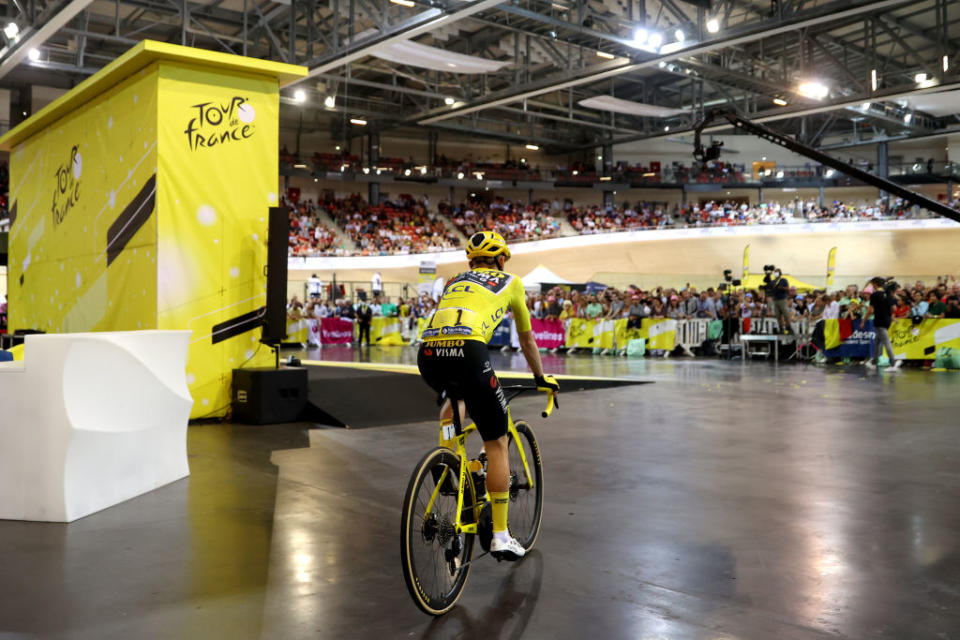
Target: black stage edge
361,398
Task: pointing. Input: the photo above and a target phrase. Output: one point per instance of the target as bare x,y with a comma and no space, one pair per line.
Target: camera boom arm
770,135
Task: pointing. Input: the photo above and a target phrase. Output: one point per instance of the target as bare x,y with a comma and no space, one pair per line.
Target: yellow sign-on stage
139,200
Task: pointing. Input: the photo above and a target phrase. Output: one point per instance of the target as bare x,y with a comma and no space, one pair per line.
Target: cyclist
454,361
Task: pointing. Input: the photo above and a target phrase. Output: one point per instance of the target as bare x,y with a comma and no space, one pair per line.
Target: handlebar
552,402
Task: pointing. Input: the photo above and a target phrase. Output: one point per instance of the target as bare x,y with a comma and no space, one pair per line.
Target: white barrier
91,420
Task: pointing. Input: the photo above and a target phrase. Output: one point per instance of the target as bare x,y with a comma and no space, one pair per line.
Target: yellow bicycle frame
457,444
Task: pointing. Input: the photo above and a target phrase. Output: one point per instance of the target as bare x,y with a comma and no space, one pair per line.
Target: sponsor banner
501,335
849,338
624,334
298,330
386,332
549,333
604,333
921,341
661,333
336,331
426,276
580,334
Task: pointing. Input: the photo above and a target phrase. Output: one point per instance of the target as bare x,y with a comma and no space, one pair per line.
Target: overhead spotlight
679,35
661,64
655,40
920,78
330,102
829,173
908,118
12,30
358,121
366,171
873,80
779,175
666,128
599,157
378,171
337,147
713,25
813,89
403,3
780,102
300,95
640,36
460,176
533,147
423,171
604,54
406,172
865,106
34,55
575,172
448,101
946,63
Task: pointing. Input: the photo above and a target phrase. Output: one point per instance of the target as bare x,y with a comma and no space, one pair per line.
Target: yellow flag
746,261
831,266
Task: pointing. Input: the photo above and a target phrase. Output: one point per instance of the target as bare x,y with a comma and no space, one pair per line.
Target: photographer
777,292
881,304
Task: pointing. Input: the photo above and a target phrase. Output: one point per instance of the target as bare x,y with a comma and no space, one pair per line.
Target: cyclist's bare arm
528,344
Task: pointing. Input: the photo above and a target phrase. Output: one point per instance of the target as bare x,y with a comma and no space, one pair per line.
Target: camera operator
777,291
881,302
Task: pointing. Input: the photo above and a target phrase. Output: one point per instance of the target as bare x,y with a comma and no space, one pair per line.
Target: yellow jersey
474,303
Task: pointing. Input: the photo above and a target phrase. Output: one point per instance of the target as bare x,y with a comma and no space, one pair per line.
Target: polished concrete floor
723,501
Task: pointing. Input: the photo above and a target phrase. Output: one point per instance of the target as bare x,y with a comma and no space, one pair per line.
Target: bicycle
441,514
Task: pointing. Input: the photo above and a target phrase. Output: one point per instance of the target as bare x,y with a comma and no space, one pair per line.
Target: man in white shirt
438,286
315,286
376,284
831,310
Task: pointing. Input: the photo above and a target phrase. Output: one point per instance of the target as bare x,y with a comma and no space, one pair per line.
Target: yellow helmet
486,243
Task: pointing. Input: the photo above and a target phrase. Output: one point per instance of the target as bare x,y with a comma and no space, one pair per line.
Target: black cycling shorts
462,369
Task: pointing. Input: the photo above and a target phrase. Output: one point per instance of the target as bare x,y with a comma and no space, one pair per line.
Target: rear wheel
435,559
526,493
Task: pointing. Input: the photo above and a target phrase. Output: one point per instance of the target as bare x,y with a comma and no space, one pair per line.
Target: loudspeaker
278,238
269,396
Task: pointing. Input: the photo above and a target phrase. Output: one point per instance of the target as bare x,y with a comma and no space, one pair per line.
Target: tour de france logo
66,192
214,124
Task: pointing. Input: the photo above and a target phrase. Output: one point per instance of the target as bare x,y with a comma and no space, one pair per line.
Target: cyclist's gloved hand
547,382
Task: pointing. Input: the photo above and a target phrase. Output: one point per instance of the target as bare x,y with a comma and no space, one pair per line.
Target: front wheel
526,492
435,559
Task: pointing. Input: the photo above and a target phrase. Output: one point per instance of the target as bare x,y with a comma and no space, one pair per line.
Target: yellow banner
218,139
386,332
604,334
580,334
921,341
83,240
297,330
746,261
661,333
831,265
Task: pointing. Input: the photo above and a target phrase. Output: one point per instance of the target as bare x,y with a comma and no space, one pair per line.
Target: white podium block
88,420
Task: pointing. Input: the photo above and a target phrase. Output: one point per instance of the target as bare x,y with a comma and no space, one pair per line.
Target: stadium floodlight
780,102
865,106
34,55
829,173
813,89
873,80
403,3
779,175
330,102
713,25
604,54
666,128
300,96
448,101
406,172
358,121
920,78
12,30
533,147
460,176
655,40
946,63
640,37
679,35
908,118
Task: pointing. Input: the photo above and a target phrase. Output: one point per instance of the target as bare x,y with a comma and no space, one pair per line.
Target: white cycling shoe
509,549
